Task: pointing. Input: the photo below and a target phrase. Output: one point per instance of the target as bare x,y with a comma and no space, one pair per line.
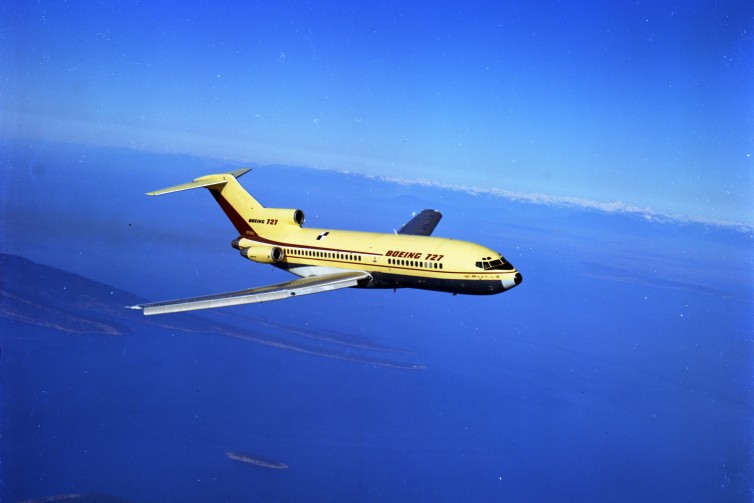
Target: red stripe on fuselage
241,225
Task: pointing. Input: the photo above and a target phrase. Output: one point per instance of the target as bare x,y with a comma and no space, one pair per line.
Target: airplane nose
509,282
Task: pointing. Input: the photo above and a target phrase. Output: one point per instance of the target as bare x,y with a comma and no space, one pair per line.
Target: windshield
495,264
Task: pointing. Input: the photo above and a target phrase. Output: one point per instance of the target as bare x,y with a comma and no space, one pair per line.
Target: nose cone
511,281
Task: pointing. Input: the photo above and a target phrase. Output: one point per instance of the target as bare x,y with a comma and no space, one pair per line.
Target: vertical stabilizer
239,206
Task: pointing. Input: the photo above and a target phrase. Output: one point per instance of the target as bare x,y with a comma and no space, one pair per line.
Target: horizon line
611,207
542,199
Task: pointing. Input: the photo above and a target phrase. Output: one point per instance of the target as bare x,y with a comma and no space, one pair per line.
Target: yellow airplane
331,259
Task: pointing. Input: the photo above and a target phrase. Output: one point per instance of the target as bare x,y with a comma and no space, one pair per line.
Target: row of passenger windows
357,258
414,263
323,254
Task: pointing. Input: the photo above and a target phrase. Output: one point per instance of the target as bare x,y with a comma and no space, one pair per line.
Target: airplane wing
303,286
422,224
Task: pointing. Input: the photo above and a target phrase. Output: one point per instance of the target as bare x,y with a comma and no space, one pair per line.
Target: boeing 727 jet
329,259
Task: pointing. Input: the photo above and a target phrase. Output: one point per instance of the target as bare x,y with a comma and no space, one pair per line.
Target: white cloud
19,125
578,202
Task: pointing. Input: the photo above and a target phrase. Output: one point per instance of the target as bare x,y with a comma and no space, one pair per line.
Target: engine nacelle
264,254
280,216
241,242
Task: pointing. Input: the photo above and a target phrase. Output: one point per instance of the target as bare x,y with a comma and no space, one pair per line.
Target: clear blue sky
650,103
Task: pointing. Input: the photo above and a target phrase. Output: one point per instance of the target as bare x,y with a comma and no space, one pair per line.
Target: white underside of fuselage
306,271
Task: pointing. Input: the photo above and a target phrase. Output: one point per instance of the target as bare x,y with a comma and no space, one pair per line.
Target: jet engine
263,254
282,216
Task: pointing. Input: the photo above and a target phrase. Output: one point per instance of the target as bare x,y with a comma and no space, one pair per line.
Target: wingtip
137,307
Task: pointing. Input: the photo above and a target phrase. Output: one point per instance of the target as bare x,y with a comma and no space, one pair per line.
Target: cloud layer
577,202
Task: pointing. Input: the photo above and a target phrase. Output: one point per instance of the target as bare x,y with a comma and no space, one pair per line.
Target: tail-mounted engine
264,254
280,216
258,253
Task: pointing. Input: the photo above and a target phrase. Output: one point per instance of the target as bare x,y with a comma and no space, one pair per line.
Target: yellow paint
265,232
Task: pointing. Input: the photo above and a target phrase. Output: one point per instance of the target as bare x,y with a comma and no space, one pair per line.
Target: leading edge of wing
422,224
303,286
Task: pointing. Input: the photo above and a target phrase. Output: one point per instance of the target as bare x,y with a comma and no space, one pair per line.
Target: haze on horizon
644,106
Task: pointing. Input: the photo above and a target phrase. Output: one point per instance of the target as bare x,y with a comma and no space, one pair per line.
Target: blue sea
619,370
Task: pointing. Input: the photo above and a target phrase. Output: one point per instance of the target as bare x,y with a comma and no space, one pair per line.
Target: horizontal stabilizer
204,181
422,224
303,286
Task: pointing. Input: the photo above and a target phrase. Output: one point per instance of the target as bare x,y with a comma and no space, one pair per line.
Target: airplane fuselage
392,260
330,259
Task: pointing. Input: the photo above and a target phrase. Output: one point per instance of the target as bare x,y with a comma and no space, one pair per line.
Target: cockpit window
498,264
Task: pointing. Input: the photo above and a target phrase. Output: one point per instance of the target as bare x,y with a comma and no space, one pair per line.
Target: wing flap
303,286
422,224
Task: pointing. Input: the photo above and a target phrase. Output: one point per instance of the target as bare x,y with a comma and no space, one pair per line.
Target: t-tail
247,215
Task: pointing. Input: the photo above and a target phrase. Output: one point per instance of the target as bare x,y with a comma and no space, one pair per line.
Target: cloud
645,213
20,125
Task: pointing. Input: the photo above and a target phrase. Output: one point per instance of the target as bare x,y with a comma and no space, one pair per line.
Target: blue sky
645,103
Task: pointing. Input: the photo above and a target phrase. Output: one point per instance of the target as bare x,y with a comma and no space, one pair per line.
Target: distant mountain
40,295
37,295
43,296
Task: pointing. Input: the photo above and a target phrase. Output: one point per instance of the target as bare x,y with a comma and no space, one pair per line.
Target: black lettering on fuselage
434,257
403,254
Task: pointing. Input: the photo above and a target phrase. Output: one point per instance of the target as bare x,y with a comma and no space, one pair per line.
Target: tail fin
238,205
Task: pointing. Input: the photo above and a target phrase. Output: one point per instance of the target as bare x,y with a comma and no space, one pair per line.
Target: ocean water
619,370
